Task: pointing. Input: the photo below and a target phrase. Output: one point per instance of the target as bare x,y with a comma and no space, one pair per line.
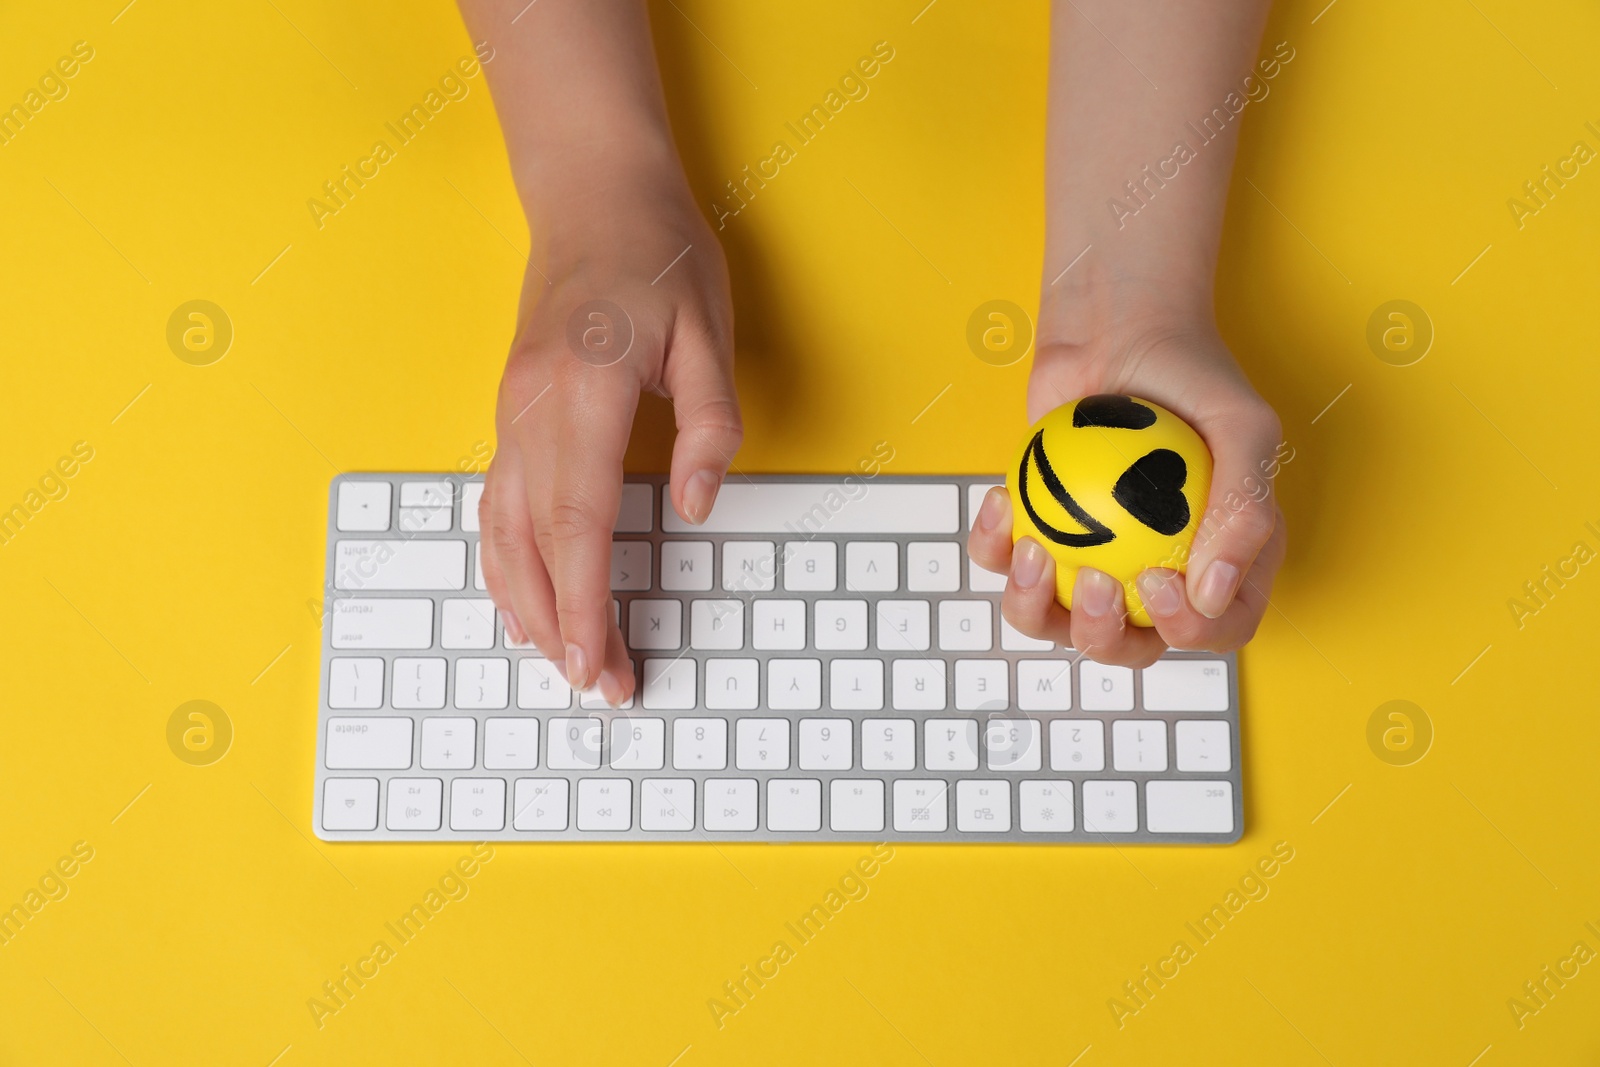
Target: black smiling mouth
1098,532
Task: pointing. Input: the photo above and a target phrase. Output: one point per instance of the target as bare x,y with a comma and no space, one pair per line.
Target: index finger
577,513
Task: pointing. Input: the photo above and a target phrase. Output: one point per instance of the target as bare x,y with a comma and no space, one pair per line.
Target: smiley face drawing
1111,482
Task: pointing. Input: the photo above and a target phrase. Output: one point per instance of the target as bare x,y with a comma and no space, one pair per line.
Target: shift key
401,566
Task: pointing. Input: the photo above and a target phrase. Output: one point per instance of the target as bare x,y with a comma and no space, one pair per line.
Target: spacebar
854,506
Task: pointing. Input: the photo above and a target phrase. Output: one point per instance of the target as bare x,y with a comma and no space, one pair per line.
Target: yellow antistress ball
1111,482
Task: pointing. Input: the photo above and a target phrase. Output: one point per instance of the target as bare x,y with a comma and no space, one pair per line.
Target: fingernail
699,493
514,630
1216,589
1159,593
1027,564
611,688
577,668
990,510
1096,593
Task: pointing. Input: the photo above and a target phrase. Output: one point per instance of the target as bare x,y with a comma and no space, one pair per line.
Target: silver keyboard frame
1078,835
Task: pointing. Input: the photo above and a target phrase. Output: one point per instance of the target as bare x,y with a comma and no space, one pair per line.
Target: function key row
791,805
1011,744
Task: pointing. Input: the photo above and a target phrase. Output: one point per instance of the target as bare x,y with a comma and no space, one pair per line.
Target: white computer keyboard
819,661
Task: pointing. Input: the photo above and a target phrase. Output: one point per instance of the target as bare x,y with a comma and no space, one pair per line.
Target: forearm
1137,173
579,98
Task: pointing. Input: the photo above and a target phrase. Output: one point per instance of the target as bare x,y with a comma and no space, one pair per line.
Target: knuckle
717,419
572,516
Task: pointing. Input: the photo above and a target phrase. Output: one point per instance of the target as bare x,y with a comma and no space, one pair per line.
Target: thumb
699,378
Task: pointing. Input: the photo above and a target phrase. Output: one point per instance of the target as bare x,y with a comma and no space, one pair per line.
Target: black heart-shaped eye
1113,411
1152,491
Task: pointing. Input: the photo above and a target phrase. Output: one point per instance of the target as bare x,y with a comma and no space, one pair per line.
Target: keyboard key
1014,640
749,566
540,686
841,625
810,566
1044,807
638,744
1204,746
903,625
855,684
1103,688
655,625
1013,744
966,626
415,565
716,625
730,803
826,744
429,494
511,744
466,624
983,807
933,567
477,568
1139,745
363,508
355,684
540,804
778,625
573,744
605,804
414,803
888,745
1044,684
375,743
794,805
635,512
1110,807
350,803
919,685
855,806
669,684
389,622
426,507
732,684
872,566
471,496
478,804
920,806
686,566
950,744
630,565
1189,807
449,744
482,683
982,685
418,684
1186,685
980,580
1077,745
794,684
762,745
840,507
699,744
666,805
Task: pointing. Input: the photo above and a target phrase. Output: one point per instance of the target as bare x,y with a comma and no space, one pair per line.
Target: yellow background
181,562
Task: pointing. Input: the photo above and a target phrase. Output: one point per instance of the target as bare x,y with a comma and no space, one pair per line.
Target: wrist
1101,299
596,192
